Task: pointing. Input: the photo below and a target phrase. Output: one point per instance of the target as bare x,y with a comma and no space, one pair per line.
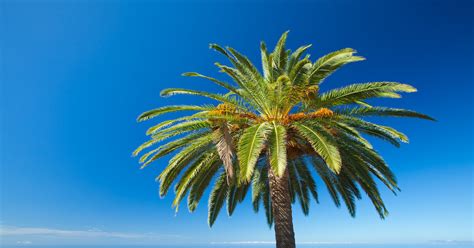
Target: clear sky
75,74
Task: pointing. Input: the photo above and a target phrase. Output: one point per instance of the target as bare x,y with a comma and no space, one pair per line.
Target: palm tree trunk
281,206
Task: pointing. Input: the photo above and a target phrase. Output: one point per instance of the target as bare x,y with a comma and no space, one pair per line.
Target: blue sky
76,74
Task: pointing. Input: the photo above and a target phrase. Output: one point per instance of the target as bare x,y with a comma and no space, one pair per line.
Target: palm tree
273,132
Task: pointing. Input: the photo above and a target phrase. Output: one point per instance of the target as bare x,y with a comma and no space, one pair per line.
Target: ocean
440,245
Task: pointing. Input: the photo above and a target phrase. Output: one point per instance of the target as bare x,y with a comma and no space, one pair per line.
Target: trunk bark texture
281,206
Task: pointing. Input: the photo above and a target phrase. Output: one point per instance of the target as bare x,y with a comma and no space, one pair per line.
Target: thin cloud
243,243
451,242
92,233
24,242
256,242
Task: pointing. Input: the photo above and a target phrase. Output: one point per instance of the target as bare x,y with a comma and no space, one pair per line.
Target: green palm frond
177,163
172,132
180,128
251,91
217,198
356,123
267,204
369,158
250,146
166,123
216,81
306,176
276,123
277,148
267,61
236,196
329,63
167,109
385,133
190,175
299,189
200,183
169,147
246,64
368,184
298,73
357,92
382,111
295,57
217,97
244,70
352,132
280,54
327,177
258,187
322,142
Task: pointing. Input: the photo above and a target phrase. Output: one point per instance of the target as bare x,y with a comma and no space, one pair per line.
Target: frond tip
167,109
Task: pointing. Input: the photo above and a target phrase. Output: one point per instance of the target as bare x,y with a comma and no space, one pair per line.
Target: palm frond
249,148
276,121
166,123
167,109
250,90
258,186
217,198
246,72
299,189
217,97
280,56
328,178
321,142
295,57
172,132
225,148
382,111
169,147
306,176
329,63
236,194
299,72
182,128
246,65
266,62
192,151
189,176
277,149
385,133
200,183
349,130
267,204
216,81
357,92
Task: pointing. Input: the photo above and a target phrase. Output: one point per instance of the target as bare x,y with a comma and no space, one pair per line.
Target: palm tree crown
276,123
